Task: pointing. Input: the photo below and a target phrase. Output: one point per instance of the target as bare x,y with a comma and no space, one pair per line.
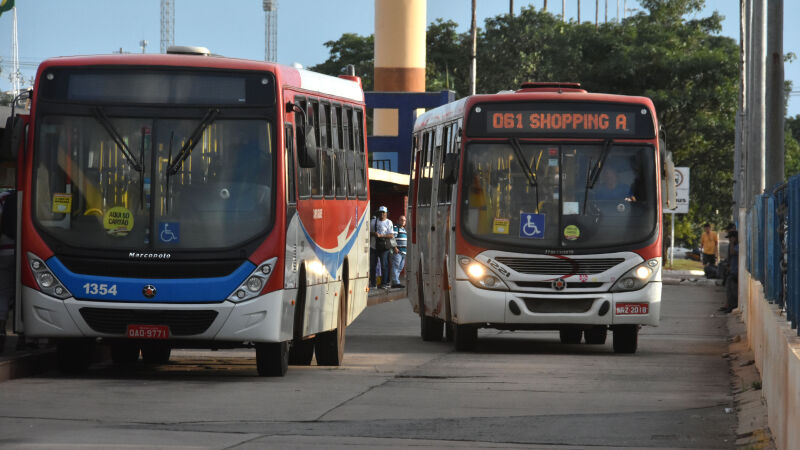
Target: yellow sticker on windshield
118,221
572,233
500,226
62,203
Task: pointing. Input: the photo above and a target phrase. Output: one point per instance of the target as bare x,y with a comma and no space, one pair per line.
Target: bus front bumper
261,319
475,305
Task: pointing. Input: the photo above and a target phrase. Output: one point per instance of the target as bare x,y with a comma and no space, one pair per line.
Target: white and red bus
537,209
190,200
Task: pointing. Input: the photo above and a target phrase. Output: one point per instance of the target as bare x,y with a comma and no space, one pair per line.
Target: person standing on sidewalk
732,281
399,255
384,232
709,242
373,253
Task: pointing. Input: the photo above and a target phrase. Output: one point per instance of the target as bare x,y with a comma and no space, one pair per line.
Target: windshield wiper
530,174
191,143
593,173
101,117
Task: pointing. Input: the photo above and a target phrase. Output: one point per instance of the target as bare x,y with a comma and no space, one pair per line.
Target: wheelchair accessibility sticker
169,232
531,225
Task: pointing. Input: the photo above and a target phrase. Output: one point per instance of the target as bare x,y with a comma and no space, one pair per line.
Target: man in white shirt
384,231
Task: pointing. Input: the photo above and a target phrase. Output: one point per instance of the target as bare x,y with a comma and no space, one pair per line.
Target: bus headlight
47,282
254,283
480,275
638,277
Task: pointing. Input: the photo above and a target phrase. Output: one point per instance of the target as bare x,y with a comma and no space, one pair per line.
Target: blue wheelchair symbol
531,225
169,231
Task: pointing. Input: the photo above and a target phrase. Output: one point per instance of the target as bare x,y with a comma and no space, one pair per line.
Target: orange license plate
148,331
624,309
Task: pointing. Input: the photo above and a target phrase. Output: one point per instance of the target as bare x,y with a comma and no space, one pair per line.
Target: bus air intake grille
116,321
556,266
549,284
558,305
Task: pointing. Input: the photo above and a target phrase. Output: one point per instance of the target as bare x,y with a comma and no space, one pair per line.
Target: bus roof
288,76
457,109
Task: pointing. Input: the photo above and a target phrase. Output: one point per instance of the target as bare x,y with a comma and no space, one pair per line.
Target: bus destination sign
566,119
616,123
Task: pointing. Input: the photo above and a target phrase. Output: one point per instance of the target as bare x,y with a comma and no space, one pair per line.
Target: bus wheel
329,346
570,335
449,331
156,352
301,352
465,337
626,338
272,358
596,335
124,352
75,355
430,327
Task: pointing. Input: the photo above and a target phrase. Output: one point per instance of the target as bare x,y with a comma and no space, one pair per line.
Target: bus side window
317,172
360,154
414,178
424,196
289,158
328,169
340,127
443,196
305,174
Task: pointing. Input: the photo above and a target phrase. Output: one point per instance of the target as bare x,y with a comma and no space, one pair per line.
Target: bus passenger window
314,112
326,110
327,172
339,126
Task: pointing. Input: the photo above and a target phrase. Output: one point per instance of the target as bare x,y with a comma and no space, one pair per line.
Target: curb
378,296
25,363
689,281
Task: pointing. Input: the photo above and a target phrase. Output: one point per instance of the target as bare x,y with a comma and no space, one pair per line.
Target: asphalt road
521,389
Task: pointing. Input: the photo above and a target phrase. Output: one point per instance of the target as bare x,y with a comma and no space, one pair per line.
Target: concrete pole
563,10
755,157
775,113
473,70
399,55
596,14
739,146
579,11
510,7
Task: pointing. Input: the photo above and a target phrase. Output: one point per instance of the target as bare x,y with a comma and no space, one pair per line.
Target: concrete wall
777,355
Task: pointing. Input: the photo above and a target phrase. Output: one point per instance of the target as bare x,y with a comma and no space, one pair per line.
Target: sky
48,28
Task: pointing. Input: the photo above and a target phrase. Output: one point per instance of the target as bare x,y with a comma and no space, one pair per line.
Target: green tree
352,49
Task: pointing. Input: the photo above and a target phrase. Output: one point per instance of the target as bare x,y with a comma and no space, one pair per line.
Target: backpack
711,271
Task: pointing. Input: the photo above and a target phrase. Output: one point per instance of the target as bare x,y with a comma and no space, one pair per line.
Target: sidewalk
687,277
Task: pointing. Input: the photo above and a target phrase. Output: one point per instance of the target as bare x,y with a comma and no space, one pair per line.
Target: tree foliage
687,69
352,49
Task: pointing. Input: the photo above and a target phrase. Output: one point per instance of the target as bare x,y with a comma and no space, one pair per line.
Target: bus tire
74,355
596,335
272,358
156,352
430,328
301,352
570,335
626,338
465,337
329,346
124,352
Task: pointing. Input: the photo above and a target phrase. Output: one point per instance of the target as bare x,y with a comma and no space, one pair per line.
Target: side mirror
451,168
669,189
12,138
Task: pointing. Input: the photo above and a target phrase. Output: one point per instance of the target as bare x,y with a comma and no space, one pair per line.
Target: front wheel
329,346
465,337
272,358
626,338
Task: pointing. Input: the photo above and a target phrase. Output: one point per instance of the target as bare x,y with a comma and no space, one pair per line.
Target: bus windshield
562,209
102,182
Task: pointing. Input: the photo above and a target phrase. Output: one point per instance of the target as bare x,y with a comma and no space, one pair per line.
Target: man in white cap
384,231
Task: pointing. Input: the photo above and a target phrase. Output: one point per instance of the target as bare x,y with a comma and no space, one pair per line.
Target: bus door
438,218
424,205
291,206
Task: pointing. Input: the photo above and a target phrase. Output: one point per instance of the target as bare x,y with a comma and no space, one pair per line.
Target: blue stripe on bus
332,260
181,290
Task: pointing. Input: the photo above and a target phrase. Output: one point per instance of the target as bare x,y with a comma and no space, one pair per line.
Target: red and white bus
192,200
537,209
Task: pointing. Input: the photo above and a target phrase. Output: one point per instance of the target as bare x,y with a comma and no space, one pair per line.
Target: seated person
609,187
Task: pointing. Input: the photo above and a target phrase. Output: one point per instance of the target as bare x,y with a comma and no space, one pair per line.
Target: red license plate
624,309
148,331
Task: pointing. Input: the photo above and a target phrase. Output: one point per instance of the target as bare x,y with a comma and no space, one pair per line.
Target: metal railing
773,247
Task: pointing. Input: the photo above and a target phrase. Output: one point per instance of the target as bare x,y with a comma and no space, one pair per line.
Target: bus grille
557,266
558,306
116,321
549,284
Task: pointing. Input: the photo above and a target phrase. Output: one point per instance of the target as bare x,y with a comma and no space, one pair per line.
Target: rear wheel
570,335
156,352
124,352
329,346
75,355
301,352
626,338
465,337
596,335
272,358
